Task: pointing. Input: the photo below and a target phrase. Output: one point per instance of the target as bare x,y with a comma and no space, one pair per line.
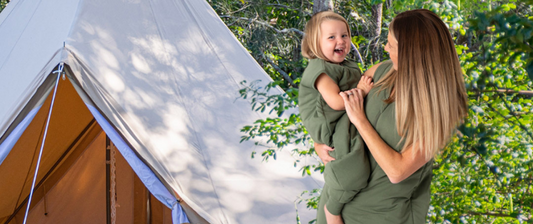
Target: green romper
381,201
333,128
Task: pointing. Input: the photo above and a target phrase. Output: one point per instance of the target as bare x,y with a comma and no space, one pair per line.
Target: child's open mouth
339,51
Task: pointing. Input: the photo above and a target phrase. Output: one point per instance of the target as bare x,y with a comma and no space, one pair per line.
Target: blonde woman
417,101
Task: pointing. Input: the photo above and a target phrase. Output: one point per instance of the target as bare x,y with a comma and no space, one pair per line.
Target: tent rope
113,185
58,71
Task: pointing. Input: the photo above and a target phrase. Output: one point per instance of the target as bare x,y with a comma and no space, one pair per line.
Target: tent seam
23,31
10,11
166,51
209,44
190,118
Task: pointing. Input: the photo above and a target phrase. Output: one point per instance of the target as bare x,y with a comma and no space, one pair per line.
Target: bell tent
129,111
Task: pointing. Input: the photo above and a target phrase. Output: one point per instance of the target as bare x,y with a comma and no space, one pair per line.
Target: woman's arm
329,91
397,166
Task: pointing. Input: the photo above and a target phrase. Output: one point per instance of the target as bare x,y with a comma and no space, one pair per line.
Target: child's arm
329,91
332,219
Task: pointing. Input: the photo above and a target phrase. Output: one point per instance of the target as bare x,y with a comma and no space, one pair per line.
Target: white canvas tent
161,79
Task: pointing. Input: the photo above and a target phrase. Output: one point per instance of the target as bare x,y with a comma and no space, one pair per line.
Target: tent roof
166,74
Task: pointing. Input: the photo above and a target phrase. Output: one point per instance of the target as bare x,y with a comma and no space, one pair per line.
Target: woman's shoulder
377,70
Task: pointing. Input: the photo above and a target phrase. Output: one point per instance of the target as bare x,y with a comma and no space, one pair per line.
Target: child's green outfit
333,128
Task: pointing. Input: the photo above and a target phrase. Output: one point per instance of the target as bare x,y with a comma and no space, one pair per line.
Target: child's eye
331,37
344,35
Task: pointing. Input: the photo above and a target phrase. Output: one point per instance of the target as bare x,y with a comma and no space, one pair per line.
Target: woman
421,93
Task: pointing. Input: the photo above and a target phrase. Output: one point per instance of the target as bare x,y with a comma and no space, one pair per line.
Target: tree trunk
377,15
297,56
322,5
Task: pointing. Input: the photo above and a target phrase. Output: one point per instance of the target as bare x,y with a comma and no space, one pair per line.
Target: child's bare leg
365,84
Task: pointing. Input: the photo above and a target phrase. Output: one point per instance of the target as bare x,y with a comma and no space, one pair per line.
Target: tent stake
44,200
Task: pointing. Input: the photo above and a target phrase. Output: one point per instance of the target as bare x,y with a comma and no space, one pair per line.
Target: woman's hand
332,219
397,166
354,104
322,150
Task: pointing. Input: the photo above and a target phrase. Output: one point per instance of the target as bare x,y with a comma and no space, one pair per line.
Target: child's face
334,40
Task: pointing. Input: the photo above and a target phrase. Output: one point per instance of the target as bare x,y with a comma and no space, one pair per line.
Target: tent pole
58,71
148,208
44,200
108,178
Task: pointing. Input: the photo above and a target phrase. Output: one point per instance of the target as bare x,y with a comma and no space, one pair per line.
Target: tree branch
283,73
515,117
506,91
289,8
358,54
527,190
489,214
286,30
238,10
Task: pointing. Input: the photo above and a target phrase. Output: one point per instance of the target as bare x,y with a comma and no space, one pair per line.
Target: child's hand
322,150
365,84
332,219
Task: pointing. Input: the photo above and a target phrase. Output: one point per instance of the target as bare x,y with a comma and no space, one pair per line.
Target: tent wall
71,180
79,195
64,133
166,75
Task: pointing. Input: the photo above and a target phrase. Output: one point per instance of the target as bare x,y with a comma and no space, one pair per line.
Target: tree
377,15
3,4
322,5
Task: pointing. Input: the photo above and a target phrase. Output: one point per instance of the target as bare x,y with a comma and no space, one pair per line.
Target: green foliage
279,132
485,174
3,4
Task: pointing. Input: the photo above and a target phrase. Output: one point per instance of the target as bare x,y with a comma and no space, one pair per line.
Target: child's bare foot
365,84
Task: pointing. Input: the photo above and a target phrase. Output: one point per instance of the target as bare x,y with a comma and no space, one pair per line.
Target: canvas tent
160,79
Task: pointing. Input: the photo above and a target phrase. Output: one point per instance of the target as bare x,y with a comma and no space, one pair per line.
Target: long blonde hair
428,87
311,39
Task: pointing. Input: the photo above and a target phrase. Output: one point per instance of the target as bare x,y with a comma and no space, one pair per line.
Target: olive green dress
333,128
320,119
381,201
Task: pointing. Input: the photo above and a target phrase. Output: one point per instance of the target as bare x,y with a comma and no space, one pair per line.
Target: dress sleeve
315,68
